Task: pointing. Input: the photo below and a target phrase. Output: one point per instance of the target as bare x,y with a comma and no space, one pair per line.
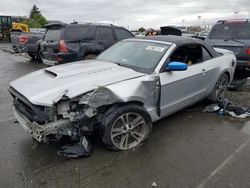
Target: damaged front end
42,122
81,115
70,117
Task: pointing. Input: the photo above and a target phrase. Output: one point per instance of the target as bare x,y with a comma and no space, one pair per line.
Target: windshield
138,55
231,31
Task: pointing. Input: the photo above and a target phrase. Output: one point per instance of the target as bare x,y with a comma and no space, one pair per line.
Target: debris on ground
154,184
80,149
225,107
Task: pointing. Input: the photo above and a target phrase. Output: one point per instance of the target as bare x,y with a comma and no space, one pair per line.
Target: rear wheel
220,88
32,55
38,57
125,127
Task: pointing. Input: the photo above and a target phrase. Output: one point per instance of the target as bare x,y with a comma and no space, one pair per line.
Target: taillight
62,46
23,39
248,51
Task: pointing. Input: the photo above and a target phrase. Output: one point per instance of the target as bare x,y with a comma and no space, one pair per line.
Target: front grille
235,49
30,111
24,109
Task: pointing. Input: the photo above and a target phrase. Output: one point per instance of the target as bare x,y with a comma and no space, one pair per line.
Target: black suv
233,35
64,43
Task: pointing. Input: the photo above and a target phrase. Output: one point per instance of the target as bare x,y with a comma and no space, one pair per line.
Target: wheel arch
105,108
228,74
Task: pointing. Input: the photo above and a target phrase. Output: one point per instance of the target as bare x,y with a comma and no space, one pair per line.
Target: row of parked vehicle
62,43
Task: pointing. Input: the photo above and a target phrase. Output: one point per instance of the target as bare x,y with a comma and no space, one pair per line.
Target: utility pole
199,17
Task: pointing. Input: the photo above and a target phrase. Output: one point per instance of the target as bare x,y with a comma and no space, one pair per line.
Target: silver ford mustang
130,85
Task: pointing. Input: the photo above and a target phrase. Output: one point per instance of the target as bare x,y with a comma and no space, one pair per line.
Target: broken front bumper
39,132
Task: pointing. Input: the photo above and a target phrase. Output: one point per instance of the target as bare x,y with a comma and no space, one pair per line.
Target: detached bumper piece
81,149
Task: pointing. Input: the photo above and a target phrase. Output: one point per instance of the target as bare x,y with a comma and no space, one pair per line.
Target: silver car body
98,84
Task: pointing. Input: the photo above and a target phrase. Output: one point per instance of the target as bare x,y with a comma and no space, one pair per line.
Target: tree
34,12
36,19
141,29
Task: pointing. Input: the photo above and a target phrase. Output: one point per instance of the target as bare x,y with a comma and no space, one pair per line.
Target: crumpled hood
47,86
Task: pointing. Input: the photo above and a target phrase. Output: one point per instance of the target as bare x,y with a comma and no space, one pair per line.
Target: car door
104,36
182,88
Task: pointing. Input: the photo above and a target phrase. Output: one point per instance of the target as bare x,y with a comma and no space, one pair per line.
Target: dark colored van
233,35
64,43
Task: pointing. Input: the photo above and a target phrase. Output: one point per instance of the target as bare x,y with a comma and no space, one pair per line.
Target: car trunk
50,43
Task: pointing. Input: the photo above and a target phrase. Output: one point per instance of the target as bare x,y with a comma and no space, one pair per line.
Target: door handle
203,70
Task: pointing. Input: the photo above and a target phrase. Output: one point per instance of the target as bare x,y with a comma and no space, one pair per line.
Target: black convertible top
180,41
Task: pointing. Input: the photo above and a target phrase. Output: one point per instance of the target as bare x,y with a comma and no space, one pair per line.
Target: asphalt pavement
188,149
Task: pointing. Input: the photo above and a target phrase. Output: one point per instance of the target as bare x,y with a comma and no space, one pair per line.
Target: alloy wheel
128,131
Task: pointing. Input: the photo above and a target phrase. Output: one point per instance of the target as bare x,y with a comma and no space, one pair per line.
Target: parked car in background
139,34
65,43
203,34
234,35
130,85
27,42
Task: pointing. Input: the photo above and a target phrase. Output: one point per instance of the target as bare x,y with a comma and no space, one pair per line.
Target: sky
132,14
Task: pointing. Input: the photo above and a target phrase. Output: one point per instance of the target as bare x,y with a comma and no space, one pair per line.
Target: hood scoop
50,73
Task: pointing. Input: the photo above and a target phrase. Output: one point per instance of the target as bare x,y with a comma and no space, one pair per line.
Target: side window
194,54
205,54
77,32
98,35
122,34
189,54
9,21
104,33
4,20
179,55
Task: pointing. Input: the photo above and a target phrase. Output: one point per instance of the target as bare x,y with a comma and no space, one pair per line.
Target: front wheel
125,127
220,88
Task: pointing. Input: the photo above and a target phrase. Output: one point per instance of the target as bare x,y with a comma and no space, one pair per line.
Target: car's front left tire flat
126,127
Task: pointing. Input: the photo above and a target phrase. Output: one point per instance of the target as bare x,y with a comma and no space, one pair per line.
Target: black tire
139,125
90,56
32,55
220,88
38,58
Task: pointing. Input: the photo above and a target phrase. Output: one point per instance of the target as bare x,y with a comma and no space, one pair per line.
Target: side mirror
176,66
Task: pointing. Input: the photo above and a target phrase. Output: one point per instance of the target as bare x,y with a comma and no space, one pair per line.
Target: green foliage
37,20
141,29
34,12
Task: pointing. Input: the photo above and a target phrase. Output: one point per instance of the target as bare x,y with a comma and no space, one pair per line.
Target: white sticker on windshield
155,48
